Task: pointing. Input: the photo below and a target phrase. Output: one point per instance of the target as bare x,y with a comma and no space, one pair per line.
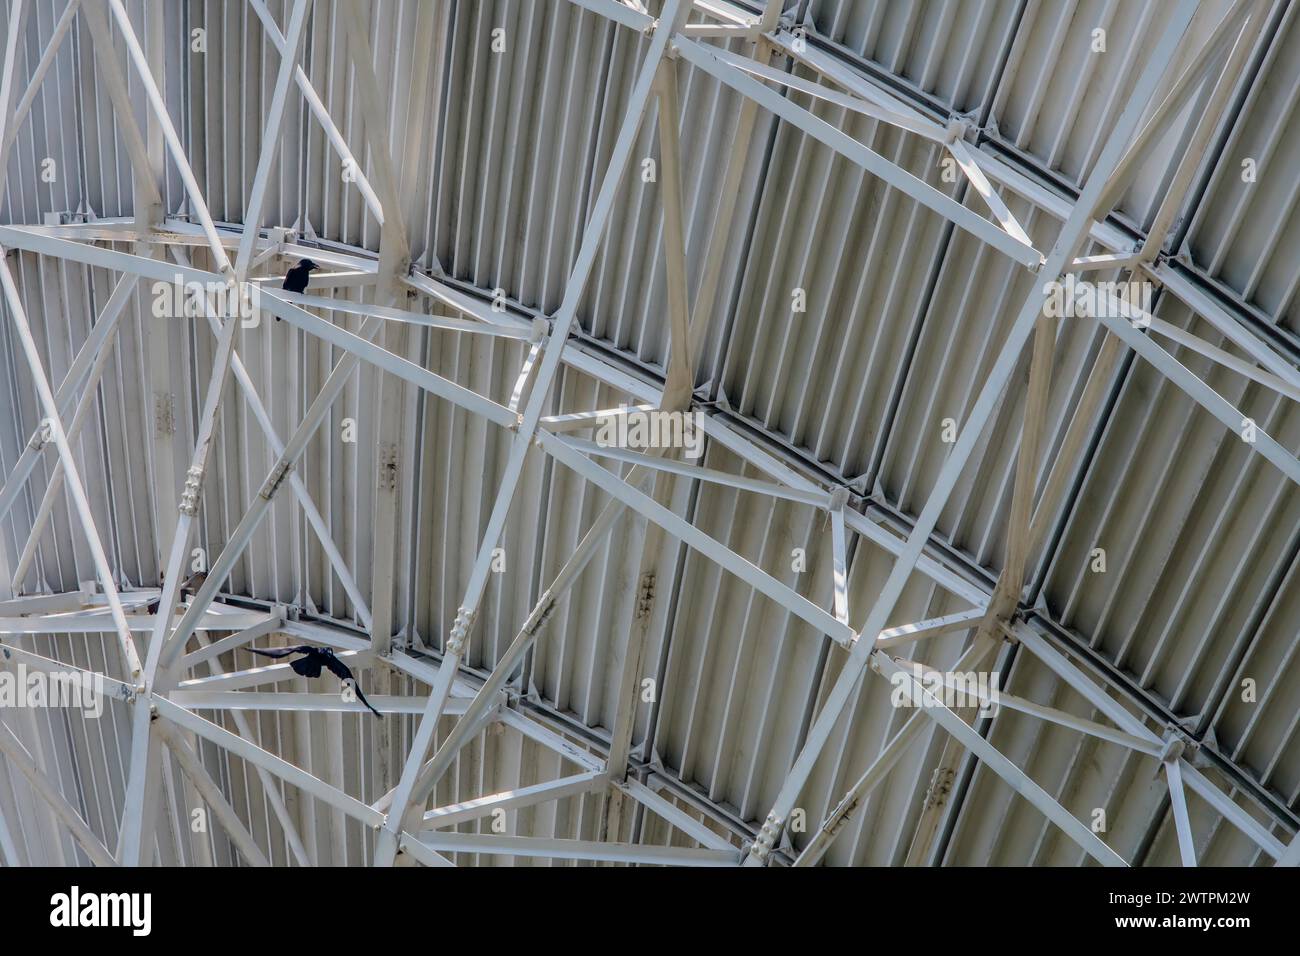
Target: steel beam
11,121
420,852
679,379
925,194
417,782
1016,778
818,499
198,204
394,251
1182,822
85,404
254,754
1125,720
87,356
279,304
1072,234
18,757
287,701
466,811
211,793
674,15
574,849
875,773
243,533
563,350
931,627
296,483
673,815
321,113
271,135
1122,320
104,571
680,528
113,75
269,786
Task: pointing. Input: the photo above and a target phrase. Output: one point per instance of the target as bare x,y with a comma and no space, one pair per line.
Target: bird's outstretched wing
337,667
344,673
276,651
308,666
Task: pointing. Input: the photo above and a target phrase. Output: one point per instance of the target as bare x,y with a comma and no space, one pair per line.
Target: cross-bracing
163,699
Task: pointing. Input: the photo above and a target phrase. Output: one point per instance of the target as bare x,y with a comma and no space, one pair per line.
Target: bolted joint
538,620
190,494
936,795
762,846
1175,745
460,631
645,596
956,129
275,479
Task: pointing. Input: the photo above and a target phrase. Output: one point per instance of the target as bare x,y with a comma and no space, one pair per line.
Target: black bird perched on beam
189,587
295,280
315,659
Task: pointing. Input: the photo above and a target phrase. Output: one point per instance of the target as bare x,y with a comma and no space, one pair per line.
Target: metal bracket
542,617
762,846
275,479
1176,744
460,632
645,595
190,495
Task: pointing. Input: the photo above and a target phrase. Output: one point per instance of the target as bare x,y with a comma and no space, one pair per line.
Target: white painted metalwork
436,357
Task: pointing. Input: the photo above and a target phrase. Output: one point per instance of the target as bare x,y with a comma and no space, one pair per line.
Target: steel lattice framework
158,651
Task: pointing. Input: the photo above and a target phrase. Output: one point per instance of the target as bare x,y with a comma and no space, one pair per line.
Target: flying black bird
295,280
311,664
189,587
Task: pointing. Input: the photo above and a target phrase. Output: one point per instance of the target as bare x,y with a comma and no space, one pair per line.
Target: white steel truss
164,701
